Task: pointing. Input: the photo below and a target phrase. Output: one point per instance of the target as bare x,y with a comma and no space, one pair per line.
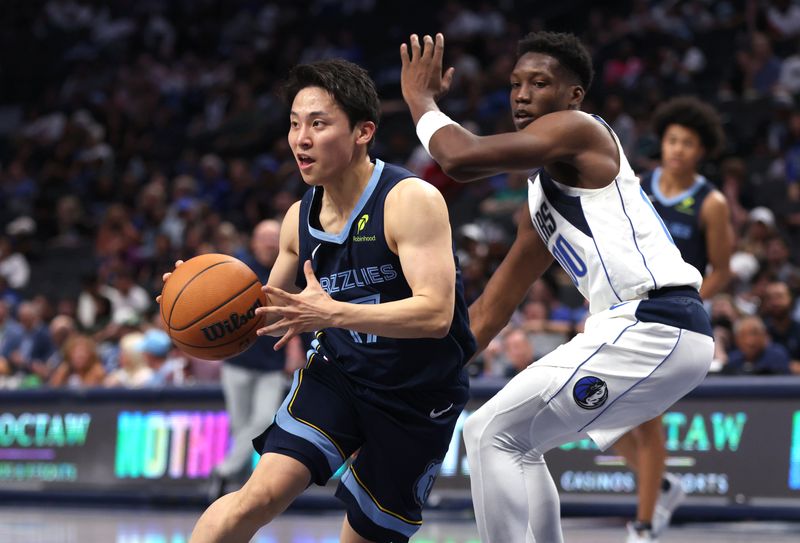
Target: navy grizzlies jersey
681,214
357,266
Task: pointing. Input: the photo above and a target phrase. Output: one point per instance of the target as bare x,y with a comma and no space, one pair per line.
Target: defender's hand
421,78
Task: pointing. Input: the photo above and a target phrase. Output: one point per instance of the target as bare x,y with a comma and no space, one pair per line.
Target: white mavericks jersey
611,241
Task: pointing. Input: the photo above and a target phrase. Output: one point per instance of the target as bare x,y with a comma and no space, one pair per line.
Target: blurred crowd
133,134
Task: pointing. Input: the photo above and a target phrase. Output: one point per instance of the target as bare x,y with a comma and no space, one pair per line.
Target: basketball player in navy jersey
366,262
698,218
648,339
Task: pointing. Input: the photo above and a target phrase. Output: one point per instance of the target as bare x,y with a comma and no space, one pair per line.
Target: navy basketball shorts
399,439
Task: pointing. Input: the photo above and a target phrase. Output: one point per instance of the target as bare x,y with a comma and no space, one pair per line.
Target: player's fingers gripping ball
209,304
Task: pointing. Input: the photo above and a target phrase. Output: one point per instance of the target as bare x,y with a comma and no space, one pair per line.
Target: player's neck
672,183
341,196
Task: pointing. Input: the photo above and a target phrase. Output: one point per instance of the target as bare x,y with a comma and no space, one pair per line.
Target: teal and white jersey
611,241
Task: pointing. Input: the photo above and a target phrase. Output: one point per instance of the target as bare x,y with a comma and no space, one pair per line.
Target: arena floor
49,524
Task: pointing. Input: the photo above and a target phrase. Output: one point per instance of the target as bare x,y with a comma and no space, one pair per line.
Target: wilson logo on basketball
219,330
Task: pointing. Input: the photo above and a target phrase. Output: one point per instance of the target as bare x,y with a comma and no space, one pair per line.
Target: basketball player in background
698,219
366,262
648,339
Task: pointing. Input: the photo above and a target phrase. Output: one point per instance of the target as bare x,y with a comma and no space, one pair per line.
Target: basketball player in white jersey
648,339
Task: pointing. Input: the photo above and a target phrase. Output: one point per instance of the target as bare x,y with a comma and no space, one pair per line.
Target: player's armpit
525,262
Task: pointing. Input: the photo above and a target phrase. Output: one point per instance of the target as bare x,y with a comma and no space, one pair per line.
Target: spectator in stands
776,308
61,329
35,345
94,308
126,296
545,334
133,371
759,230
168,370
755,354
10,337
81,367
760,68
777,263
518,350
116,235
14,266
9,295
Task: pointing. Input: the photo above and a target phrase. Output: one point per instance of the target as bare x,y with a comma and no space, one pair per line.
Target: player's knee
255,505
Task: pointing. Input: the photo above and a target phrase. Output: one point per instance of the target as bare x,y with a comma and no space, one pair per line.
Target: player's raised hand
292,314
421,77
166,276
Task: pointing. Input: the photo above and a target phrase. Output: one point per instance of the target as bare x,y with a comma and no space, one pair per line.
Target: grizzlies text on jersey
357,266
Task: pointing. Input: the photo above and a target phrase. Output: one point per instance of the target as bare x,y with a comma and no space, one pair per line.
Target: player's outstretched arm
417,228
525,262
558,136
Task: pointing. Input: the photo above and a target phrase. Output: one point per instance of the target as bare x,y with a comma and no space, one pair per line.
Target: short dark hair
349,84
695,115
566,48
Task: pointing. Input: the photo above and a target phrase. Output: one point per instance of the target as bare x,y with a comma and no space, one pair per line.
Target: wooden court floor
58,524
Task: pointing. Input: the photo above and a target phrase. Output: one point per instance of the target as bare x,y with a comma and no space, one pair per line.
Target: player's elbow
440,324
459,165
440,330
459,171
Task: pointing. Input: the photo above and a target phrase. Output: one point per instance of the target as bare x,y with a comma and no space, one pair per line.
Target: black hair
349,84
566,48
695,115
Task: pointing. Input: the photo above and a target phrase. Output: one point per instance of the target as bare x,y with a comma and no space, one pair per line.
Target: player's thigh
634,379
520,415
317,423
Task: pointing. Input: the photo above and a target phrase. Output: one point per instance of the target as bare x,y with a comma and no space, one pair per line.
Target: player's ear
365,131
577,94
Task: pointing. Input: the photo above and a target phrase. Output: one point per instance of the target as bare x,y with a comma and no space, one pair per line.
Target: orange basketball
208,306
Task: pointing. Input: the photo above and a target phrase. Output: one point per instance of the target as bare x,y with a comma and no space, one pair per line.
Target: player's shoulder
291,222
715,200
293,213
413,188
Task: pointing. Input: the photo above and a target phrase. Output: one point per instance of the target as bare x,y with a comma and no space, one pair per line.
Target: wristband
428,124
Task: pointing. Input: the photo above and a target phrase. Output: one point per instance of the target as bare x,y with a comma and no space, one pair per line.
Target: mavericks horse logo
590,392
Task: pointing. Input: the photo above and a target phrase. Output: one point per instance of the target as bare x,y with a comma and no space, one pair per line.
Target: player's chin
308,178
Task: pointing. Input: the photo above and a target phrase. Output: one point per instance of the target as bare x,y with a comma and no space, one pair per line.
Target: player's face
539,87
681,149
320,136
